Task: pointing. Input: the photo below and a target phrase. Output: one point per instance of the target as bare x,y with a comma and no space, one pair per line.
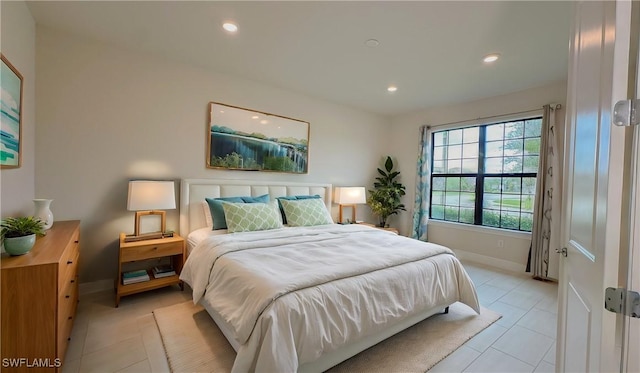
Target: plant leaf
388,164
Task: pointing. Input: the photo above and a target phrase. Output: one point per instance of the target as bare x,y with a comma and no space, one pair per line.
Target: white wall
18,46
106,115
478,242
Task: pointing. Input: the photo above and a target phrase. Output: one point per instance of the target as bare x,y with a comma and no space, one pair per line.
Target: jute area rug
193,342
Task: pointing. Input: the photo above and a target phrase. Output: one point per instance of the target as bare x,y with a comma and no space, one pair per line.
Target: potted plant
385,198
19,234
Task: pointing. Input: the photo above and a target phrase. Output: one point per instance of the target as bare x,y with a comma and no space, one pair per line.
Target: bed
305,298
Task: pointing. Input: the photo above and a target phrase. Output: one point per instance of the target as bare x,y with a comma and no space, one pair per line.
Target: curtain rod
553,106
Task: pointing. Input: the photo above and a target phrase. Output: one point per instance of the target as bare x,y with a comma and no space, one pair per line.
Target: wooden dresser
39,299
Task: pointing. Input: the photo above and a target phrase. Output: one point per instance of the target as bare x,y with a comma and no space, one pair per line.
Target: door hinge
626,113
616,298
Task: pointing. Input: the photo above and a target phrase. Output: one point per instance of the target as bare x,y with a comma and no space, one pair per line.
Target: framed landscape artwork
243,139
11,115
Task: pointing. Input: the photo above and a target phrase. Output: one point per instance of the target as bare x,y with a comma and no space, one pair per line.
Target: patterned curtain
547,201
423,179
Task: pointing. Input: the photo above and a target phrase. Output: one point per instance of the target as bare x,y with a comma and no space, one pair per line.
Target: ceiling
432,51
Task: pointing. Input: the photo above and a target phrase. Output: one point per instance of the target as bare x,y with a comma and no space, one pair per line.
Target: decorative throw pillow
247,217
293,198
306,212
217,213
260,199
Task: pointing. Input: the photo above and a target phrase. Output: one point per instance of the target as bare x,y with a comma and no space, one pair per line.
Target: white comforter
290,295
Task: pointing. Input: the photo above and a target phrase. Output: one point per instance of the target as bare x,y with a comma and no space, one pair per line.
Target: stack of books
135,277
163,271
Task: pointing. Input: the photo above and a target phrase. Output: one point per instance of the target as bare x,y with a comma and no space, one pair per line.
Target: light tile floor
523,340
126,339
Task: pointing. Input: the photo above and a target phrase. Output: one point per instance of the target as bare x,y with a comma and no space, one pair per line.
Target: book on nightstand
163,271
133,277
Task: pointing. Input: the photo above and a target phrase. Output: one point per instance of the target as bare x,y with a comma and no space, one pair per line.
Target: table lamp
350,196
148,197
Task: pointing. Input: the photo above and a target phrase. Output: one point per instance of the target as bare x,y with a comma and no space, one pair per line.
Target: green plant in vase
386,195
19,234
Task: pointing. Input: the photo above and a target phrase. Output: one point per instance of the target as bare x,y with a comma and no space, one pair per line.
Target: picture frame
11,86
250,140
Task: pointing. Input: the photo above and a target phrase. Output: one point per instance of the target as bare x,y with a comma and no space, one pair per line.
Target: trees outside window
486,174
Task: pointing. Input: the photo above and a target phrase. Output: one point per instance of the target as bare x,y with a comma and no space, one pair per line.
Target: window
486,175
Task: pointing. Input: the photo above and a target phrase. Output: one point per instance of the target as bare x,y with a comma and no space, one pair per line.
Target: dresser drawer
68,264
130,254
67,298
66,317
68,270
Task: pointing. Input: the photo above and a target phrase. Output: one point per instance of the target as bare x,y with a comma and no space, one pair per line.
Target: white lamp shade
350,195
151,195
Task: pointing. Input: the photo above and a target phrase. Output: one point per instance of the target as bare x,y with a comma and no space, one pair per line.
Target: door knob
562,251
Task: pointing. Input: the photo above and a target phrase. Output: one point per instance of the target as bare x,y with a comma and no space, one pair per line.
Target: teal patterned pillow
306,212
247,217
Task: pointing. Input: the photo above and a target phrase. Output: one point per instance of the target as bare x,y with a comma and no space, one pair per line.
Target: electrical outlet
500,243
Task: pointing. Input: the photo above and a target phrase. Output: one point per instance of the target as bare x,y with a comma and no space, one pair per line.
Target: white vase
43,212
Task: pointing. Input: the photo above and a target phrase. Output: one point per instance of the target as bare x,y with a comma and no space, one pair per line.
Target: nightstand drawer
130,254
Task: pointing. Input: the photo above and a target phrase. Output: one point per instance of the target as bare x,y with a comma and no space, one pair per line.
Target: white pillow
207,214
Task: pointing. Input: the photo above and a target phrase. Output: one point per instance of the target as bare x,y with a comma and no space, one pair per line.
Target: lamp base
353,214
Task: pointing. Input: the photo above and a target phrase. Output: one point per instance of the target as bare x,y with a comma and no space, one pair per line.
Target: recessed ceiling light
372,43
231,27
491,57
264,121
254,117
392,88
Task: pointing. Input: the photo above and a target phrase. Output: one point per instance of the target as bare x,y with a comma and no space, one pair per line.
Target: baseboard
490,261
95,286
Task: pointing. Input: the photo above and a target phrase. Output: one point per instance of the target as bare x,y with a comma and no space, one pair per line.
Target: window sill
480,229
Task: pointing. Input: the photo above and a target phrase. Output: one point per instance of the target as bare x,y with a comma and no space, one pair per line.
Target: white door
598,68
630,357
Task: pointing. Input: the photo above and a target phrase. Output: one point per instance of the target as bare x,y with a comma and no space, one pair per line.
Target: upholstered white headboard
194,191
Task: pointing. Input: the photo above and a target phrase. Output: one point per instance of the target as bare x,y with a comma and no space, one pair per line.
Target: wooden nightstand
375,226
173,247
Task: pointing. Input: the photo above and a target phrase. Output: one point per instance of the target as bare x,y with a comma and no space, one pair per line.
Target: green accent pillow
247,217
293,198
306,212
217,213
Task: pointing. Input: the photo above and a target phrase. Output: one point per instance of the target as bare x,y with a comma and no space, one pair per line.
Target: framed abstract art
11,115
249,140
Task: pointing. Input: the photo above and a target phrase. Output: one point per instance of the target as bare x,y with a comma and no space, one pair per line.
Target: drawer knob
76,241
67,296
69,262
69,318
155,248
72,281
